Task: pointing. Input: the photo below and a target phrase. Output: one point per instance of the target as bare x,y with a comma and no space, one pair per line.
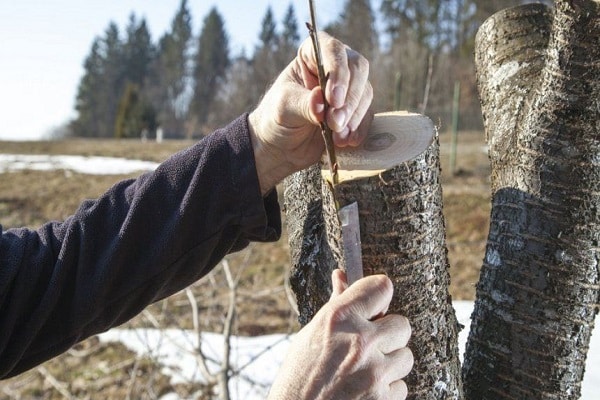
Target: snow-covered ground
259,357
81,164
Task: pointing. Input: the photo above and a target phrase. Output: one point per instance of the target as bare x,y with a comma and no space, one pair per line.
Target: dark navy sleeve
143,240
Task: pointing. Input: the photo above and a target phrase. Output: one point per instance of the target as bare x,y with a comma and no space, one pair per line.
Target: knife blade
351,242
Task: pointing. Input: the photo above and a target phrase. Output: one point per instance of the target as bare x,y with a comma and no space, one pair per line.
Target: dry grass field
94,369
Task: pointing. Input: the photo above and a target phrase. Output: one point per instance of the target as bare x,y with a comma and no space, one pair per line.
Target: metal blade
351,242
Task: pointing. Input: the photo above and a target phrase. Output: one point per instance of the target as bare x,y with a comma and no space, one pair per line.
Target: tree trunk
403,236
539,81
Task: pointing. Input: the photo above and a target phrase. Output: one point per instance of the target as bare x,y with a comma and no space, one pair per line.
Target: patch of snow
257,358
81,164
260,357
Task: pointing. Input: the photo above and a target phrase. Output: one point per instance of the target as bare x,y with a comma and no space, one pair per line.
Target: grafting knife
351,242
348,215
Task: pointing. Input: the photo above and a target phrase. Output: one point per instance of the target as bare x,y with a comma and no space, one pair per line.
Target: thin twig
227,331
133,378
239,370
55,383
427,83
196,323
150,317
325,129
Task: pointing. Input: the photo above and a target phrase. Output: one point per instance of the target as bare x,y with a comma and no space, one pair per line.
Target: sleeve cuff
260,217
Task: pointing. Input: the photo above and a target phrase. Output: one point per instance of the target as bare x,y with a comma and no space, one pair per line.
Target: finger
399,364
369,296
333,54
359,135
394,332
338,282
358,85
398,390
293,105
358,126
361,115
335,64
308,64
316,106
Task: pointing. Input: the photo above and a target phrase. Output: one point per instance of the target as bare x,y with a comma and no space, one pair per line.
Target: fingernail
339,95
319,108
339,117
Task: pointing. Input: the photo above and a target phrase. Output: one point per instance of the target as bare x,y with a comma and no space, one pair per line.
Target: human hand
349,350
284,127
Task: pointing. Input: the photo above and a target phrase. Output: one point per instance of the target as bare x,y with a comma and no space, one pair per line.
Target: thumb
310,104
295,105
369,297
338,283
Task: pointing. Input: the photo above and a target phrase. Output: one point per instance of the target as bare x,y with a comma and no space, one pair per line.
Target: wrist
271,165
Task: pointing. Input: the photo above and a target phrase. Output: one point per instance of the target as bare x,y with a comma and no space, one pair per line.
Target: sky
44,44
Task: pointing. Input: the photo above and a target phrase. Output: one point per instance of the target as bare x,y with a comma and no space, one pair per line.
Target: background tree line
190,84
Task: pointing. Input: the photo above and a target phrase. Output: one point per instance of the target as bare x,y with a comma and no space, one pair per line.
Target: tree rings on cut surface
393,138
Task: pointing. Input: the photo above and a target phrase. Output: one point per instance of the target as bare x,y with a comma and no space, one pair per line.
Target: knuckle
369,91
401,327
359,62
401,390
404,324
405,328
384,284
407,360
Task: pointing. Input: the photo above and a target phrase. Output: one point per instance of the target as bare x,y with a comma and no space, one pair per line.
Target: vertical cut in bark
539,80
403,236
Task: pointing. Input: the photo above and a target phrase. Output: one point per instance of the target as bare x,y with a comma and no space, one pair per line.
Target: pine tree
425,21
172,73
356,27
87,103
265,62
101,86
211,63
138,51
268,33
289,37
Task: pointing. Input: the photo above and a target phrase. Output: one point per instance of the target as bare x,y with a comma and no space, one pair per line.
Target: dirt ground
93,369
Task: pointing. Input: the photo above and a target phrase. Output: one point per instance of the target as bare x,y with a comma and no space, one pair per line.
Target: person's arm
141,241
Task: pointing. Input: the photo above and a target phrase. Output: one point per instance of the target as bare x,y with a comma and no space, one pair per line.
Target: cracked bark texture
537,298
403,236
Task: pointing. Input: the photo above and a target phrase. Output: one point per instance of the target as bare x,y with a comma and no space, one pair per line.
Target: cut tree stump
403,236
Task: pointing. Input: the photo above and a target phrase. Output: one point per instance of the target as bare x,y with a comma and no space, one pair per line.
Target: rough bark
539,80
403,236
